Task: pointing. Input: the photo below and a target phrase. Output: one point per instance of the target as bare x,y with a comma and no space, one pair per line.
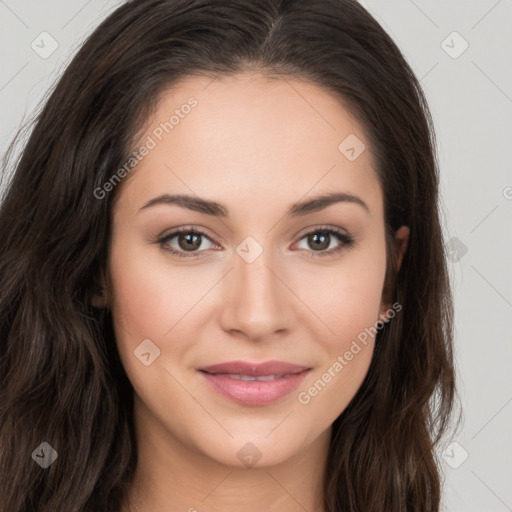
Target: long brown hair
61,379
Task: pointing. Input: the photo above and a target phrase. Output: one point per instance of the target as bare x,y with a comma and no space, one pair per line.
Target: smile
254,390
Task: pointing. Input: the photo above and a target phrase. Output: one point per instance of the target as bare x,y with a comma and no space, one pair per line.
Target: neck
173,477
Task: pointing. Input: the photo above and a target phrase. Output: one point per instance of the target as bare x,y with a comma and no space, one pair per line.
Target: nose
258,303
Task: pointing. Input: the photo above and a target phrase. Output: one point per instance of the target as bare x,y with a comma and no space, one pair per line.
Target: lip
254,369
254,392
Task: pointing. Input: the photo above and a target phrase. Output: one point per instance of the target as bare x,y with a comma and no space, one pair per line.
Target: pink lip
254,392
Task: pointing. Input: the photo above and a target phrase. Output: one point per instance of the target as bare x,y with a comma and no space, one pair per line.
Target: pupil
323,245
193,239
187,237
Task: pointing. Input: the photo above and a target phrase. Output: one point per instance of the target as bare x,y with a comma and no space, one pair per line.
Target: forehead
252,136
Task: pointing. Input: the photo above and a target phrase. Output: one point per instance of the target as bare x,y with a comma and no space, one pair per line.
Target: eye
320,239
188,241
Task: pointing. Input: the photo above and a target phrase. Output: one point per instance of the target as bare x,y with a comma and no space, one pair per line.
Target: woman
223,282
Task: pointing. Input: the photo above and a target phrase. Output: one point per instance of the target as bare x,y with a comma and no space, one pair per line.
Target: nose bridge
256,300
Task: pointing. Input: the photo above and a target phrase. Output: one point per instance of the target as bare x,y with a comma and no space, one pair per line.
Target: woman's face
261,281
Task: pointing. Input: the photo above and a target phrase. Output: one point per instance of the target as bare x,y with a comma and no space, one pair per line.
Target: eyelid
344,237
185,229
321,227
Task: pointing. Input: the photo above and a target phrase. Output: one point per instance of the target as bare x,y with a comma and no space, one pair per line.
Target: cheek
348,303
348,297
144,306
351,313
153,300
148,299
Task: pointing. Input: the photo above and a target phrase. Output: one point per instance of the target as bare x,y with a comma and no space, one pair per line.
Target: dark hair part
61,379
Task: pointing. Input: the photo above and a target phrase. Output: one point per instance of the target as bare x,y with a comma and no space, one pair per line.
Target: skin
256,145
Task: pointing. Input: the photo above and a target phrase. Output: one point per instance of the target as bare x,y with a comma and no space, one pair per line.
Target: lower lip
254,392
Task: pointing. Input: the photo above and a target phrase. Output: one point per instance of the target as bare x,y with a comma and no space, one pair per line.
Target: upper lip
254,369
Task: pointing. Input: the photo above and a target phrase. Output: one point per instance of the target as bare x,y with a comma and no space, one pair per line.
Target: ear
398,251
401,240
100,298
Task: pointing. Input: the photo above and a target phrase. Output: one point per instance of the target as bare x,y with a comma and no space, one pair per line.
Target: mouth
249,378
254,384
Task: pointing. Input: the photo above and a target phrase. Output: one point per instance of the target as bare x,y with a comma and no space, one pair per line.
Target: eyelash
347,241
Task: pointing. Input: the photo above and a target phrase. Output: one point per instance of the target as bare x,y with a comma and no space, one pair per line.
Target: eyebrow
215,209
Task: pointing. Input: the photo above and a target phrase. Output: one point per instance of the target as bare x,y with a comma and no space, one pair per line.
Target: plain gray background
461,50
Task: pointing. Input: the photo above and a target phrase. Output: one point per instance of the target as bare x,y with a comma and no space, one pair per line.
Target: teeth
248,377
